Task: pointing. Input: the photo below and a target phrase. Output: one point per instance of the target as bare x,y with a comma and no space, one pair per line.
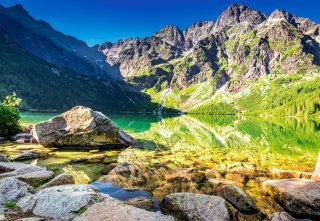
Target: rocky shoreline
29,192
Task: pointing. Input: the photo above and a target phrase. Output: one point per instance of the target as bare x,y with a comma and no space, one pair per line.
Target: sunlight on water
180,153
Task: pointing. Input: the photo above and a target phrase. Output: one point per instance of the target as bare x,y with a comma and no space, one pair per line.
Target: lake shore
173,162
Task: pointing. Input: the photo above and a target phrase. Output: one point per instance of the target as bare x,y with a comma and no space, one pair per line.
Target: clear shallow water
244,150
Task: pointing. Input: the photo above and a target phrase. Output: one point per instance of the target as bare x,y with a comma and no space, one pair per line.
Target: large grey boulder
28,173
12,189
61,202
113,210
80,127
196,207
239,199
297,196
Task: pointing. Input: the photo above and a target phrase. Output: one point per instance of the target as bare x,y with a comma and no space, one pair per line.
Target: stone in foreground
282,216
239,199
61,202
196,207
142,203
113,210
300,197
80,127
59,180
12,189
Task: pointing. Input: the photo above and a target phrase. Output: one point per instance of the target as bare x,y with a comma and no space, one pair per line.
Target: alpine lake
180,153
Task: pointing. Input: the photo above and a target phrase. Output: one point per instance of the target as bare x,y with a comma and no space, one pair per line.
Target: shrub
9,116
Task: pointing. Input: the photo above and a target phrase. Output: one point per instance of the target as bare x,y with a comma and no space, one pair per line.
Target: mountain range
245,62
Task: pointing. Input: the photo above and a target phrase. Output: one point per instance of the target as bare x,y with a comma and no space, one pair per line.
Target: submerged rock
12,189
61,202
59,180
113,210
3,158
108,168
220,182
196,207
282,216
238,198
27,155
142,203
298,196
288,174
81,127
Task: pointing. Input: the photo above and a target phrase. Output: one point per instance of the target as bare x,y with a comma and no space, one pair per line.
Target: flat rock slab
80,127
113,210
28,173
61,202
298,196
12,189
196,207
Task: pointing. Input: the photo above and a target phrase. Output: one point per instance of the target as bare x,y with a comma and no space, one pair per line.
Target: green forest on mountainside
46,86
286,96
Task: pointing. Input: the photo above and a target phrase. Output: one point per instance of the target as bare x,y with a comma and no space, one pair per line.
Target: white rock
12,189
113,210
61,202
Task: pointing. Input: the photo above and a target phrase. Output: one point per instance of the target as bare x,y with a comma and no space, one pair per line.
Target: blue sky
97,21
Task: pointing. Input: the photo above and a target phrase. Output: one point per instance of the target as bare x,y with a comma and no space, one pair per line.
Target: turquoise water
177,153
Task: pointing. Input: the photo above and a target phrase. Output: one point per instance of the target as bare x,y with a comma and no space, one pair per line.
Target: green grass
10,205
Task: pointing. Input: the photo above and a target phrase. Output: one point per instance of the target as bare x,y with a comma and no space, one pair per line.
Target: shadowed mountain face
41,40
42,85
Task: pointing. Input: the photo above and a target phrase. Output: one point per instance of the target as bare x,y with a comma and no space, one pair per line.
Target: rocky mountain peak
105,47
238,13
279,14
304,25
19,9
172,35
197,32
